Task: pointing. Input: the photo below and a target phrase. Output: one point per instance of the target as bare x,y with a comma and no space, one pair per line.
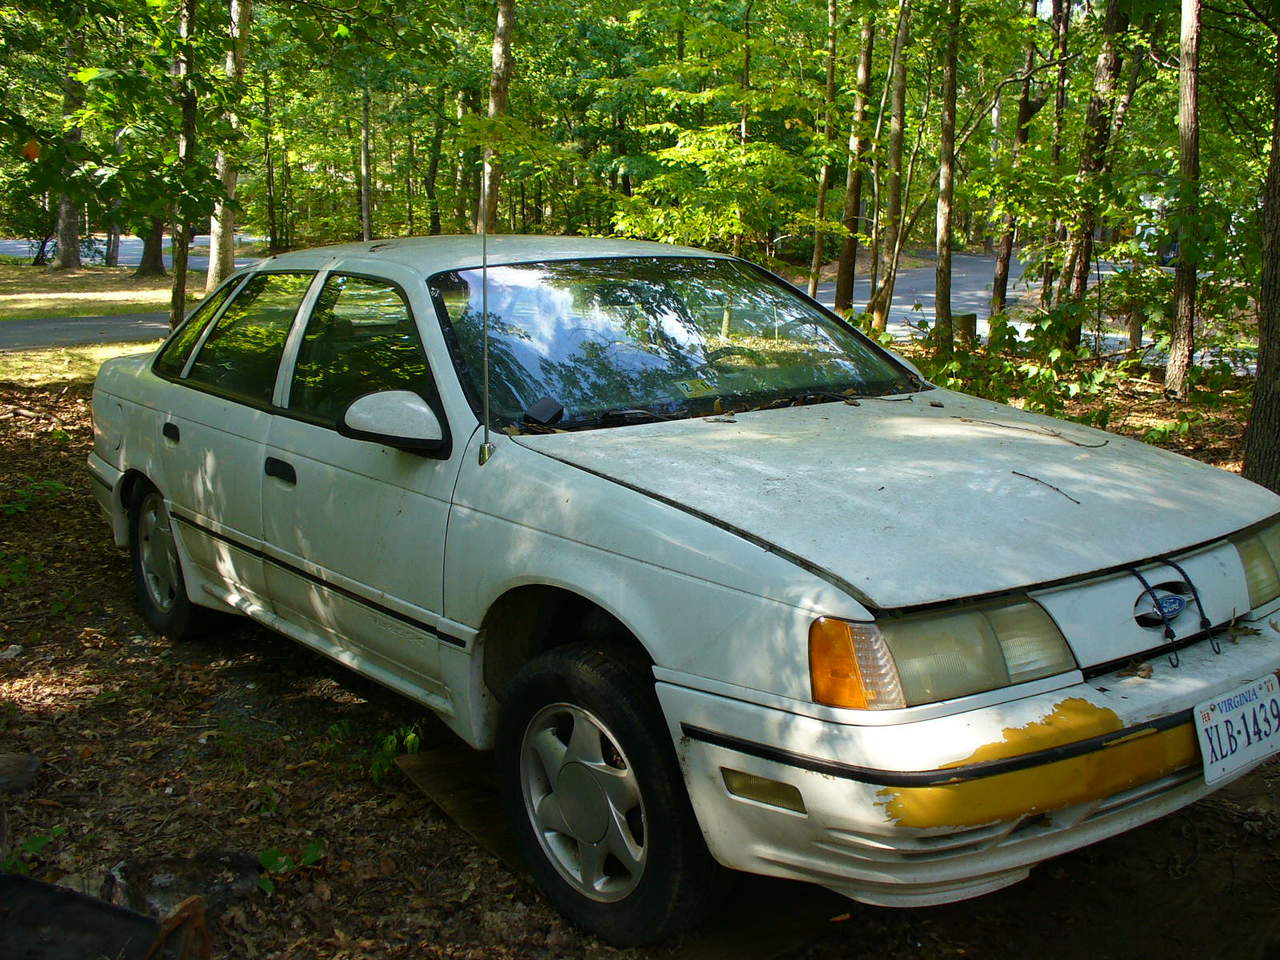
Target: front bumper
937,810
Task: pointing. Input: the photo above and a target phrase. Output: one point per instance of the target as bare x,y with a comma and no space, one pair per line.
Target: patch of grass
63,364
31,292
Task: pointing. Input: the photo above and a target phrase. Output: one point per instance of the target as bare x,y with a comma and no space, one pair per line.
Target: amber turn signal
850,666
833,668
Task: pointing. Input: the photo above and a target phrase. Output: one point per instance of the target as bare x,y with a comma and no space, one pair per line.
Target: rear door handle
171,431
280,470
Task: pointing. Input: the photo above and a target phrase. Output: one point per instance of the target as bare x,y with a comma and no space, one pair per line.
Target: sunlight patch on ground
31,292
63,364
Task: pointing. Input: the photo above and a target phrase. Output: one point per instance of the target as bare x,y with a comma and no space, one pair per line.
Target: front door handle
280,470
171,432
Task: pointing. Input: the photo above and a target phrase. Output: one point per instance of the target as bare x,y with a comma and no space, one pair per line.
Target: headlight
1260,555
933,656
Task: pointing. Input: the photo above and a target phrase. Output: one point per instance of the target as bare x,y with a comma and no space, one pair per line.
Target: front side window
360,339
613,340
173,356
243,351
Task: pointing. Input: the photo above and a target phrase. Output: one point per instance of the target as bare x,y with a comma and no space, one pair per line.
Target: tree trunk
1093,148
1061,36
222,225
273,229
944,339
1004,249
112,258
433,170
1182,346
499,86
286,192
68,255
848,266
824,174
744,111
883,297
186,156
1262,441
410,179
366,206
151,264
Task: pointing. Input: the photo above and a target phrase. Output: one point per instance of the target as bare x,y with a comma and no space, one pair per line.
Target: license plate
1238,728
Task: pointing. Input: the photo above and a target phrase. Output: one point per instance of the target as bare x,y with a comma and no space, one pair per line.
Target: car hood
926,498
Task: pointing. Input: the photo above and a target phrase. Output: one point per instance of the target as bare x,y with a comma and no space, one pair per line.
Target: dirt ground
244,741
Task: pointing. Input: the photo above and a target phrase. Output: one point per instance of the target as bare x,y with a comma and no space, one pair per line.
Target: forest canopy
1125,149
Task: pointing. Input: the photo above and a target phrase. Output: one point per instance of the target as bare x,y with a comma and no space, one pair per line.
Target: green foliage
1177,429
27,853
383,756
31,493
1043,382
18,569
277,865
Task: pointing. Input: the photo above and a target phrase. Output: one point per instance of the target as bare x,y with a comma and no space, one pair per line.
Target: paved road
131,252
912,305
913,293
82,331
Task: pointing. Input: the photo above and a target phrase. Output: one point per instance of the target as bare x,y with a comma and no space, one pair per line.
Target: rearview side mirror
394,418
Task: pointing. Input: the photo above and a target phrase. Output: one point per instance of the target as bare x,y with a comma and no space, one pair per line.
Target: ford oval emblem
1171,605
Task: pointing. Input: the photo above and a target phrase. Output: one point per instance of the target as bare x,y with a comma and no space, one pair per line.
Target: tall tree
891,223
944,335
184,69
858,143
68,255
365,173
1093,151
1182,346
1061,16
499,90
1262,442
1021,135
824,173
222,225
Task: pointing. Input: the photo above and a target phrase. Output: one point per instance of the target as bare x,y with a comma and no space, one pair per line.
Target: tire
596,800
158,584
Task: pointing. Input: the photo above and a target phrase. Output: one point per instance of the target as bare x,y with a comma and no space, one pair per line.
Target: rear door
216,428
354,531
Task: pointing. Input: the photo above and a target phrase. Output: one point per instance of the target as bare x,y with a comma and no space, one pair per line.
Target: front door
354,531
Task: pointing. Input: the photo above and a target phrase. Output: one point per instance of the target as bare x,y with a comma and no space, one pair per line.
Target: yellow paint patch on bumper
1070,721
1126,763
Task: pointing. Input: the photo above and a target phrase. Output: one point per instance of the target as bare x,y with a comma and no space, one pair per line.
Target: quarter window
174,355
360,339
243,352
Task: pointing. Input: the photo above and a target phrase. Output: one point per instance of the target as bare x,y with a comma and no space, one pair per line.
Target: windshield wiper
619,418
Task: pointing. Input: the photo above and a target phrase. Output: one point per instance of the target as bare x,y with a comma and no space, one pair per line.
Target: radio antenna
486,446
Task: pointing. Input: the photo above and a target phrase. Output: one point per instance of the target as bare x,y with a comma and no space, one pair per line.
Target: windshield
626,339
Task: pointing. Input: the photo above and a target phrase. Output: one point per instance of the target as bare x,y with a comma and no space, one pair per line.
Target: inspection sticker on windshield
697,387
1238,728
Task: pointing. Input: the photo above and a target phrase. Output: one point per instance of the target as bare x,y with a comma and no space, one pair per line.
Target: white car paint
717,543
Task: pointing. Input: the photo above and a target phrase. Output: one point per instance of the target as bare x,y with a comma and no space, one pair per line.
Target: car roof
434,254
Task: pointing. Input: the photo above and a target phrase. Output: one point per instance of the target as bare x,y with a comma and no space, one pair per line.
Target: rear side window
243,352
174,355
360,339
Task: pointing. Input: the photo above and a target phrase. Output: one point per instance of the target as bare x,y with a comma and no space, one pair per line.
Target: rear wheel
158,583
596,799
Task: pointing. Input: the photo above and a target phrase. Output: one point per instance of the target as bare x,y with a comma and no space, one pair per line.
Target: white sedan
726,584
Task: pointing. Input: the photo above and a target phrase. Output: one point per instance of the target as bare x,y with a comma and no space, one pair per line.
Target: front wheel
596,800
